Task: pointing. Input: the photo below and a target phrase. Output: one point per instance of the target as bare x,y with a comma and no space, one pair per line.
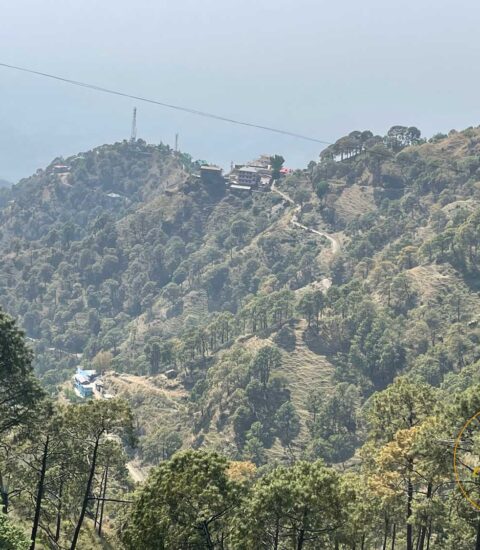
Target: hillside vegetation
269,327
129,253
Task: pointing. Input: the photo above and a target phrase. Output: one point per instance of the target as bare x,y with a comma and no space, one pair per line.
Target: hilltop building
84,382
262,165
255,174
61,169
211,174
89,383
248,175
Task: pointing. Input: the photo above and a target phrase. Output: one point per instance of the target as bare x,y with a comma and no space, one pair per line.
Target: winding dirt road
334,243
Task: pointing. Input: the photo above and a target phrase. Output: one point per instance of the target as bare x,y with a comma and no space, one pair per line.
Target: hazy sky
315,67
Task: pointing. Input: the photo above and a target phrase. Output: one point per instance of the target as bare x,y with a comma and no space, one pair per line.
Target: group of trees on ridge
357,142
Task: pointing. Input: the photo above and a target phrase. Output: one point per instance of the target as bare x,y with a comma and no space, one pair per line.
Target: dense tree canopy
19,390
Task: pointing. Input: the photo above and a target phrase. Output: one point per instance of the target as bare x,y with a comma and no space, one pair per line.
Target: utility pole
176,143
133,136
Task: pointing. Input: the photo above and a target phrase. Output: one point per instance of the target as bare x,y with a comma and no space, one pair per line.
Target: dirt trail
137,382
334,243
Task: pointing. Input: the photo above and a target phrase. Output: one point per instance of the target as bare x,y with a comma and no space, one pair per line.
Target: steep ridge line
335,245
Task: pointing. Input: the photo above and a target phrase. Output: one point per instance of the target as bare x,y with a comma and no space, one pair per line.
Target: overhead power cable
163,104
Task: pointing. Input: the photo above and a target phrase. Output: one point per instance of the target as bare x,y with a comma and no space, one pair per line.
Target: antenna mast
133,136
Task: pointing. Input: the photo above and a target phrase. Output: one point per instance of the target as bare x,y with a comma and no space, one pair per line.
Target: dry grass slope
303,370
355,201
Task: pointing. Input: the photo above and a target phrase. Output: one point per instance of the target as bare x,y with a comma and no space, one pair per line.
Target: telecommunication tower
133,136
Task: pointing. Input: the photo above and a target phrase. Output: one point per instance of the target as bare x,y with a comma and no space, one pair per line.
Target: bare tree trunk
385,537
416,542
104,492
97,509
207,536
423,531
59,512
394,535
429,534
301,539
277,534
86,496
38,503
409,511
4,495
301,536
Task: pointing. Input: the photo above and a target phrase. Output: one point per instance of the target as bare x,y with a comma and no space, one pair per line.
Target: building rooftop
249,169
88,374
211,167
82,379
262,162
241,187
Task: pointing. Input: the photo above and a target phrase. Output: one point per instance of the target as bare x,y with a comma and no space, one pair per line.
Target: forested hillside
333,317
